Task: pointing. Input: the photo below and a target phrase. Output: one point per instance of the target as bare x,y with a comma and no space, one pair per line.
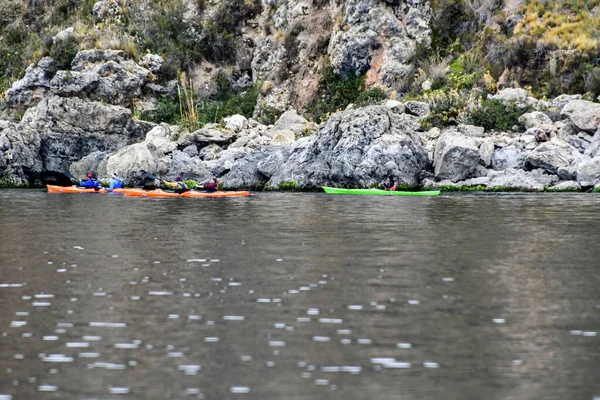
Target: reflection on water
299,296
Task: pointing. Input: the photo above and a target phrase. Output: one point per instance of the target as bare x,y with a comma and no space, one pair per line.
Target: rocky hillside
300,93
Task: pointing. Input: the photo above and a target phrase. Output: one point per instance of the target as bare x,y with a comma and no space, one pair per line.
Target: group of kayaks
193,193
146,193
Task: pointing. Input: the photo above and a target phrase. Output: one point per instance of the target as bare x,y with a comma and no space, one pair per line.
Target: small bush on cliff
493,115
63,52
335,93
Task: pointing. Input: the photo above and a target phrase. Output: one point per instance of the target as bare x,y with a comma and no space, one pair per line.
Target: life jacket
116,183
180,185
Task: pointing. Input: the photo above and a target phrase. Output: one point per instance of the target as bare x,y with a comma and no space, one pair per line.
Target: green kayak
378,192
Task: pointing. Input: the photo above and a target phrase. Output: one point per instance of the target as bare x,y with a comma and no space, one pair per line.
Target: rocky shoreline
79,120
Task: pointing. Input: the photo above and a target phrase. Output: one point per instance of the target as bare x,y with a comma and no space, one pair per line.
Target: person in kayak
211,186
115,183
90,183
179,185
390,184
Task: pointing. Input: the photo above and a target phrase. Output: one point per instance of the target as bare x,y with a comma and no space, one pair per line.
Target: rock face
588,171
585,115
508,158
59,131
98,75
456,156
551,156
355,148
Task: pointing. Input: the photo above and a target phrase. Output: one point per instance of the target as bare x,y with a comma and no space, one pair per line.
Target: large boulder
588,171
236,123
131,160
513,179
94,163
205,136
585,115
243,172
355,148
290,121
534,119
71,128
456,156
486,152
163,137
552,155
508,158
593,149
515,97
187,167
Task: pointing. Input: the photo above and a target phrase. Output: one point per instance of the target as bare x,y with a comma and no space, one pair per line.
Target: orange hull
75,189
161,193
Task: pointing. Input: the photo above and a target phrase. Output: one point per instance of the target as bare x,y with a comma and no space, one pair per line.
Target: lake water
299,296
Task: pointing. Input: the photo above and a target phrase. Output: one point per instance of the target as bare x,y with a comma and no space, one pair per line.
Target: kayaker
90,183
179,185
211,186
115,182
390,184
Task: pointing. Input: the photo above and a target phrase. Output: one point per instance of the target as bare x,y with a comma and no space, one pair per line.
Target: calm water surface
299,296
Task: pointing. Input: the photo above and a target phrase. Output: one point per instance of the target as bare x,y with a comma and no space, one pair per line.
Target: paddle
71,177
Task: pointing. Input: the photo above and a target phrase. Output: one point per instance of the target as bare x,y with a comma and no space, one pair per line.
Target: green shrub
167,111
592,82
63,52
446,108
269,115
493,115
335,93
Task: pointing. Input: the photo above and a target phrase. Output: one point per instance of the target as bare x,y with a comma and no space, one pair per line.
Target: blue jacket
90,183
115,184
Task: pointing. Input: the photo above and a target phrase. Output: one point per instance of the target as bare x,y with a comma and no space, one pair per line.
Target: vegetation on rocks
336,93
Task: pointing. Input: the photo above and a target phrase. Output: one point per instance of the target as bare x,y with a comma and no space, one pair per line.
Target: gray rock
239,169
518,98
585,115
508,158
187,167
395,105
471,130
290,121
551,155
486,151
417,108
514,179
534,119
543,177
128,162
204,137
161,137
152,62
355,148
32,88
456,156
88,164
70,129
588,171
191,150
19,153
565,186
559,102
593,149
236,123
565,173
283,136
209,152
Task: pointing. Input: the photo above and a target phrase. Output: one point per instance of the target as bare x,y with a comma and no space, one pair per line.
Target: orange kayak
191,193
75,189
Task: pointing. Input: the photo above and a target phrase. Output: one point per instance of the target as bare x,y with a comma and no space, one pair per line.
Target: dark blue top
90,183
